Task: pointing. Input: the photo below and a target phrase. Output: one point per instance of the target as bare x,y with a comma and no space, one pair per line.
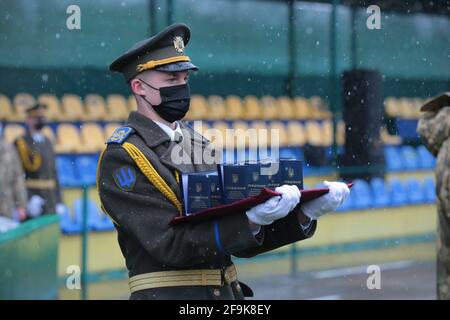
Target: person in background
434,129
38,161
13,193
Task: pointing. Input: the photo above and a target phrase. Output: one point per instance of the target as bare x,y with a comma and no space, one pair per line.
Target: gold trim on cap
154,63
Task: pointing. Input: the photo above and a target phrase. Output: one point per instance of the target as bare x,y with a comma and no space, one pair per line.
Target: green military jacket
142,214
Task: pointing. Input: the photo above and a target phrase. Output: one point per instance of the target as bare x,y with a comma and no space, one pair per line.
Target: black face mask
40,123
174,101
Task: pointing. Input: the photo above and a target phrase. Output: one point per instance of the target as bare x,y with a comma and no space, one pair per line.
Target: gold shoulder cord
31,161
98,190
152,175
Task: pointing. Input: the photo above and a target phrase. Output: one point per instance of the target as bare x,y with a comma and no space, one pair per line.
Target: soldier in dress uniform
38,161
138,184
434,129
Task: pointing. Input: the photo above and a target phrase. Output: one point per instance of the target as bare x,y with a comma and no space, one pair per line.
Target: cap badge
178,43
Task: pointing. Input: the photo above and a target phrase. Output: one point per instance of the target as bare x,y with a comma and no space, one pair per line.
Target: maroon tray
245,204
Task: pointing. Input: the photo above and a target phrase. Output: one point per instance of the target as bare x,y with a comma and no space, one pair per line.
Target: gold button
238,288
217,292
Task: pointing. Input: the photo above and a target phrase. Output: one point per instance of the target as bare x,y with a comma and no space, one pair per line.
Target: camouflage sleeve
434,128
20,190
144,213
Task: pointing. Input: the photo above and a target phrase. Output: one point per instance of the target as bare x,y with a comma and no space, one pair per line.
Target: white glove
276,207
60,208
34,206
328,202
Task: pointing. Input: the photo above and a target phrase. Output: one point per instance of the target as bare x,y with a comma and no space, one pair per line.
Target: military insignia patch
125,178
120,134
178,44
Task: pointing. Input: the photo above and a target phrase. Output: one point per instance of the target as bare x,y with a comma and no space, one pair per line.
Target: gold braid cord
31,160
152,175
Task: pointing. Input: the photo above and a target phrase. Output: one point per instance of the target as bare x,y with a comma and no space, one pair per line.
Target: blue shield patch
125,178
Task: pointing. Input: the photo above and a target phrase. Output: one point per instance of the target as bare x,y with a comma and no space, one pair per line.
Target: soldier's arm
144,214
280,233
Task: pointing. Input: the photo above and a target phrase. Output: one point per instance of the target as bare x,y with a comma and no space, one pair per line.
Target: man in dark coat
138,183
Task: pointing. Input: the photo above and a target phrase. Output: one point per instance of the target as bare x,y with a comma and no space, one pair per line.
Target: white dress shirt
170,132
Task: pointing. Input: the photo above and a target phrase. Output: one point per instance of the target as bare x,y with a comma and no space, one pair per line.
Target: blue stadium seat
410,158
429,190
66,171
86,167
393,159
407,128
96,220
426,159
380,193
398,193
414,190
291,152
361,194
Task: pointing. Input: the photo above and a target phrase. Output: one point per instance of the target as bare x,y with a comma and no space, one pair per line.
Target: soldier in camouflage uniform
13,193
434,128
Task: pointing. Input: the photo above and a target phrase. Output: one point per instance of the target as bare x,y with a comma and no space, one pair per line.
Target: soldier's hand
329,202
34,206
276,207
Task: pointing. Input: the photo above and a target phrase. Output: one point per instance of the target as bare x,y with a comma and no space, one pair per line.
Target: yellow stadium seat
318,108
327,133
67,139
132,104
53,111
252,110
314,134
409,108
282,134
95,107
109,130
391,107
234,108
116,108
269,107
296,134
92,138
286,111
12,132
216,108
262,131
198,109
241,134
340,132
73,109
302,108
225,140
48,132
6,109
22,101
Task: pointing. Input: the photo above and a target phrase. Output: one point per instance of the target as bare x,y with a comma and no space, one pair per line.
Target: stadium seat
282,133
22,101
53,111
414,191
263,134
292,152
286,111
68,225
216,108
327,133
222,140
132,104
12,132
380,194
85,169
67,139
409,158
319,108
6,109
198,108
314,134
92,138
116,108
48,132
302,108
65,166
393,158
234,110
296,134
362,195
252,110
95,106
407,129
269,108
242,136
398,193
95,219
109,130
391,107
72,107
426,159
429,190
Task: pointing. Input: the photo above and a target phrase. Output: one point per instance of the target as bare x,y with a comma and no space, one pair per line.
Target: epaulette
120,135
